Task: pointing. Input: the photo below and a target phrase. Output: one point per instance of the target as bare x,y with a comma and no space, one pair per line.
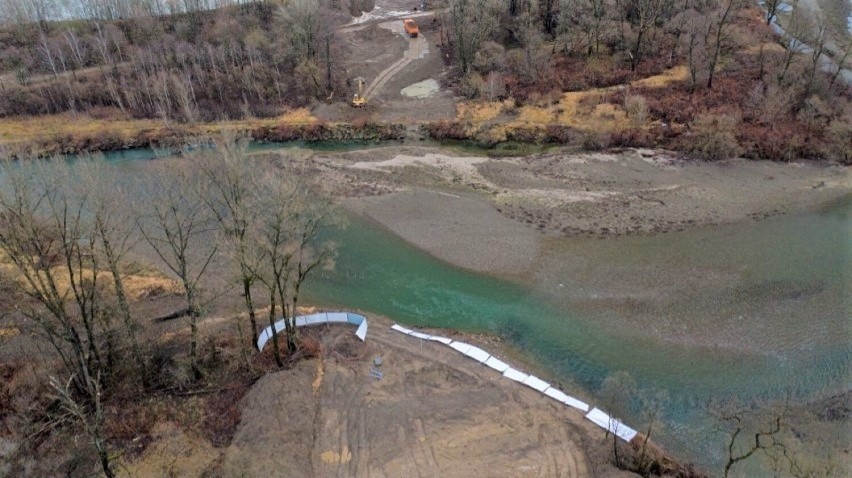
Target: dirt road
417,49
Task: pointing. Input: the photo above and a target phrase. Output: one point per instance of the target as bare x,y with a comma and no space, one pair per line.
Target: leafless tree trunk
231,183
115,236
89,415
46,235
749,432
177,224
719,28
287,236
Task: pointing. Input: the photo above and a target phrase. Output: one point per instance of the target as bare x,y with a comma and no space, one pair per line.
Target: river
752,311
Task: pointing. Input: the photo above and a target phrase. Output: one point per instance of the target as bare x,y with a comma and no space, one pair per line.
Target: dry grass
585,111
136,286
27,130
477,113
664,79
9,332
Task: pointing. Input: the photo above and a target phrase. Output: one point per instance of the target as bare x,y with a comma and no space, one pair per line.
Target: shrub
636,107
471,86
593,140
839,141
441,130
490,57
713,136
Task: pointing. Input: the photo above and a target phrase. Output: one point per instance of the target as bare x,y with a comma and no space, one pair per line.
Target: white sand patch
463,165
603,157
379,13
452,167
422,89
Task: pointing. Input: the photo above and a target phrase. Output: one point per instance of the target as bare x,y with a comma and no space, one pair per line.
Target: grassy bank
67,134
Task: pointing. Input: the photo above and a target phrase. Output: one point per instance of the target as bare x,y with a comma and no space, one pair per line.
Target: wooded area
746,90
255,59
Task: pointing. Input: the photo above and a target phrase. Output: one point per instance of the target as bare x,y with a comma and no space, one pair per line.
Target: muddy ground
434,413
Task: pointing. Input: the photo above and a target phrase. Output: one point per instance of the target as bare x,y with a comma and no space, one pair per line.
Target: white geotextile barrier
317,319
596,416
613,425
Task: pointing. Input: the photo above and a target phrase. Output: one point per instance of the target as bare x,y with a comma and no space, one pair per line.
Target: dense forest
197,66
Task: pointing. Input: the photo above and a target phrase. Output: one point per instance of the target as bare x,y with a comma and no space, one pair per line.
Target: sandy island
494,215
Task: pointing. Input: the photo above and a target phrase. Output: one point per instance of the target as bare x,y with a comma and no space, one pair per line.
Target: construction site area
394,67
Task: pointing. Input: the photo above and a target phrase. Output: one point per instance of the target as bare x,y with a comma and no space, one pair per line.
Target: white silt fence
596,416
317,319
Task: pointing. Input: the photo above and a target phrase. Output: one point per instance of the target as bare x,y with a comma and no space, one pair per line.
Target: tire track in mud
415,445
414,51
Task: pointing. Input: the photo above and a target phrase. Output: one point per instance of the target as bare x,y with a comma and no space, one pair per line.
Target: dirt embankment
433,413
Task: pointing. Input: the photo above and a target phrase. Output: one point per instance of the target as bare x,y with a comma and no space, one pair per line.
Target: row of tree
784,96
44,11
256,59
71,232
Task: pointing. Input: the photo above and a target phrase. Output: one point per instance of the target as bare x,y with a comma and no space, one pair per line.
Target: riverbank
75,134
433,411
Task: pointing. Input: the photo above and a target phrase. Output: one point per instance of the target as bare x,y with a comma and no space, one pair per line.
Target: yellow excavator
358,99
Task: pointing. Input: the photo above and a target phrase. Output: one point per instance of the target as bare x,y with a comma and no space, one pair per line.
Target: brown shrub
636,107
441,130
595,140
713,136
636,138
472,85
222,414
561,134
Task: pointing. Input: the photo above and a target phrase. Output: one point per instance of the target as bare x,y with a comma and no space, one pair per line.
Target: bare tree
749,431
46,236
472,23
842,61
90,415
287,236
771,7
718,33
231,186
693,42
180,229
114,237
647,14
618,390
817,39
622,396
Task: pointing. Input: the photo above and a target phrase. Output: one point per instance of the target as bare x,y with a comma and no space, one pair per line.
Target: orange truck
411,28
